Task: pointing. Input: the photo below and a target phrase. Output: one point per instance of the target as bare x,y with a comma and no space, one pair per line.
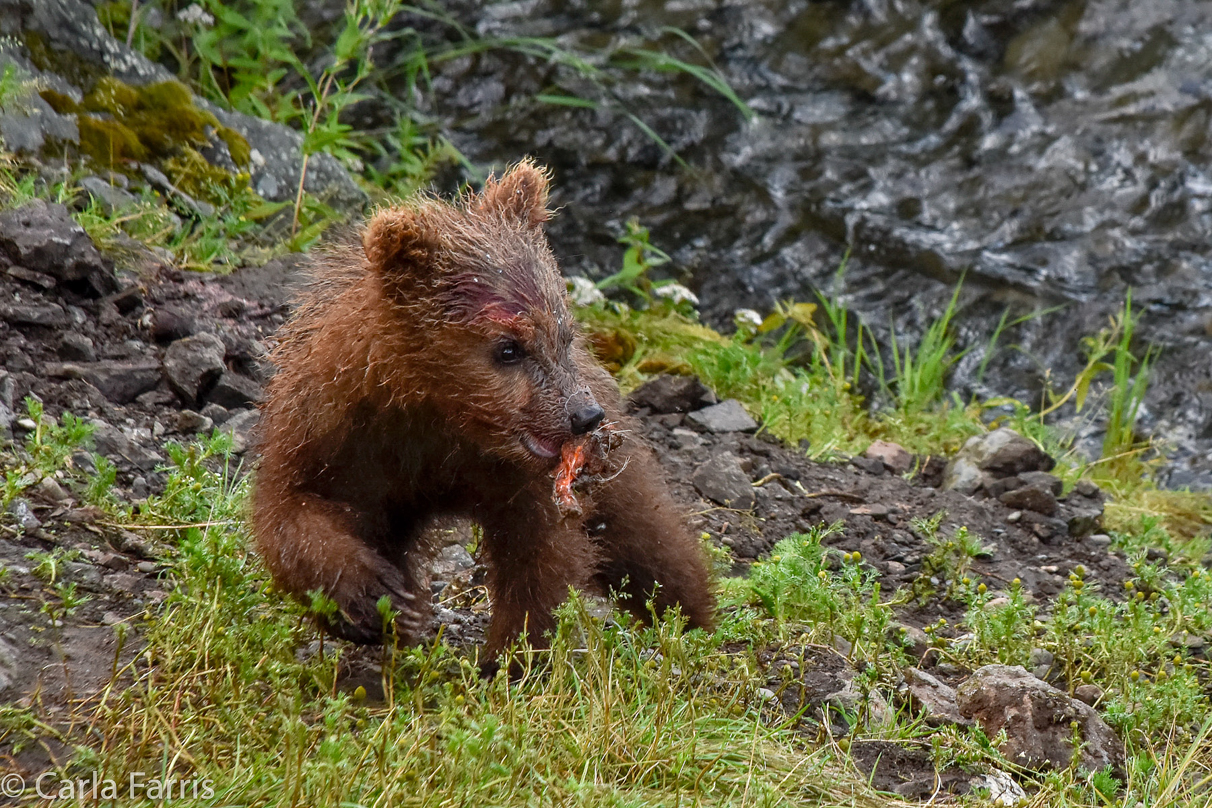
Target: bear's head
476,281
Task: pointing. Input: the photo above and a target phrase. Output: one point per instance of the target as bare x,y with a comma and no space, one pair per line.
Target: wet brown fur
391,408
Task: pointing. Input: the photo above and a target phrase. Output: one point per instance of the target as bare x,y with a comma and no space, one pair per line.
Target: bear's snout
587,418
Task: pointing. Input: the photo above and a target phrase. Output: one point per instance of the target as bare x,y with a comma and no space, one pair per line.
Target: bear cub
435,371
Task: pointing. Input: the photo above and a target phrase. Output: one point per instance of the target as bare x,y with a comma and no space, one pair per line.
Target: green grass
612,714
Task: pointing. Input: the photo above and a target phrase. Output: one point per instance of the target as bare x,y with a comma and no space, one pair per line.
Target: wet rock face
1040,721
1041,148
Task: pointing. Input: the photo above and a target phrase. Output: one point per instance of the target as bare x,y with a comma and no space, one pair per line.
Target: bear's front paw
359,618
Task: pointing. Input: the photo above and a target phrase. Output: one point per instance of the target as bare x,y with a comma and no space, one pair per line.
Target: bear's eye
510,352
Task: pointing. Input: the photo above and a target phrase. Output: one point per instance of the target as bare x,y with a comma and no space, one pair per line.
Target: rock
851,701
120,382
1003,452
1031,498
7,414
1041,660
216,413
234,391
9,665
896,458
686,438
450,561
160,181
47,315
727,416
38,279
43,237
169,323
1000,454
127,300
933,699
277,153
915,641
190,422
666,394
869,465
1090,694
241,425
76,347
193,365
115,445
24,514
1085,488
722,480
963,475
1044,480
49,490
110,198
1037,720
1001,787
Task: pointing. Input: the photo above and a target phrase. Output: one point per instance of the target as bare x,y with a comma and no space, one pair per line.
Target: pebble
147,566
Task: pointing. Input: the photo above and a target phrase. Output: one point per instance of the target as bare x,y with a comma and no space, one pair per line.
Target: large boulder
1040,722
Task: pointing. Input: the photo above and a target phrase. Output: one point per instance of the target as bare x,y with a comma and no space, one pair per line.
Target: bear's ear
520,194
397,240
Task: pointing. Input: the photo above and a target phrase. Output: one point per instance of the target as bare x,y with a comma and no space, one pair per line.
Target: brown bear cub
436,371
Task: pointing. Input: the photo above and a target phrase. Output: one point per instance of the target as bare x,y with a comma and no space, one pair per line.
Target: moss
108,141
163,115
112,96
59,102
237,146
190,172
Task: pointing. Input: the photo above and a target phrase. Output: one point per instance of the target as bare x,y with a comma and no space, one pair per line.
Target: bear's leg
310,543
646,545
533,557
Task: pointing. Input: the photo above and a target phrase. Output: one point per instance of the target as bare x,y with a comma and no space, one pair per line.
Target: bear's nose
587,418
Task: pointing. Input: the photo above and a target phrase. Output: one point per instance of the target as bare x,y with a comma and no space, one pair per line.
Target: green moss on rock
237,146
60,102
108,141
191,172
159,121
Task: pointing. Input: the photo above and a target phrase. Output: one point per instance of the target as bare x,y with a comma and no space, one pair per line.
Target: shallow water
1051,153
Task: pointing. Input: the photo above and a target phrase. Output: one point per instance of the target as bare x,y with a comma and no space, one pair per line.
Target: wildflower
583,292
746,318
194,14
676,293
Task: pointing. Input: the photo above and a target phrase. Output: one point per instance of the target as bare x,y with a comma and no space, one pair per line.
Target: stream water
1053,154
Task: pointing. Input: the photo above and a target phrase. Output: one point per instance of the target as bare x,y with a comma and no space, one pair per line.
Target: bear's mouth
545,448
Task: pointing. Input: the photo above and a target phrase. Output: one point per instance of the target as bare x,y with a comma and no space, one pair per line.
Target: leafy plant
921,372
